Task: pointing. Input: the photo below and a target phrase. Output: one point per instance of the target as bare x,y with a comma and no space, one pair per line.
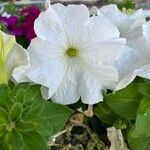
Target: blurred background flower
19,22
29,15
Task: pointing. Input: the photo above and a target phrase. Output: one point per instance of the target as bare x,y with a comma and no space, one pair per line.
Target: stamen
72,52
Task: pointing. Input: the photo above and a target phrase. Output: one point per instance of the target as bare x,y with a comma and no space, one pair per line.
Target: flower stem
89,111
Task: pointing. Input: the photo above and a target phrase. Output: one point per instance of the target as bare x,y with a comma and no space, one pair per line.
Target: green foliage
144,88
128,4
129,110
2,27
11,8
139,136
26,120
104,113
140,143
125,102
142,120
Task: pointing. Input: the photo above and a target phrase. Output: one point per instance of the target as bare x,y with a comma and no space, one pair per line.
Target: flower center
72,52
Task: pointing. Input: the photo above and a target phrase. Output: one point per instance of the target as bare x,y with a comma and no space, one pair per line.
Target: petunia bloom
11,23
30,14
73,54
13,59
130,27
22,26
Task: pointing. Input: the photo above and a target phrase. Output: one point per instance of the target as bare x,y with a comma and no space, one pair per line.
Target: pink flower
30,14
24,25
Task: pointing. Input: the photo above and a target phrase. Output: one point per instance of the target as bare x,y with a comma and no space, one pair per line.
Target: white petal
109,76
129,24
144,71
146,30
90,89
68,91
61,24
142,44
45,92
93,11
48,27
131,27
113,13
17,62
73,18
18,74
107,51
101,29
47,65
142,47
126,80
127,64
94,79
106,74
101,36
69,15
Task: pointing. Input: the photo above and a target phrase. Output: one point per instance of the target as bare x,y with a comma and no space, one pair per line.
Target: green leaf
128,4
138,80
125,102
3,27
21,86
29,112
43,126
4,94
34,141
146,80
19,91
20,95
16,111
13,141
104,113
3,115
144,88
141,143
11,8
2,129
25,126
50,117
143,120
33,94
11,84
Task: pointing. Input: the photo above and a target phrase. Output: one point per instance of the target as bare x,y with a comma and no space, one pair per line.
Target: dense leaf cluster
26,120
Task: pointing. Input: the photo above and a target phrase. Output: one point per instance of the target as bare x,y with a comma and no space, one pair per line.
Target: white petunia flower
73,54
13,59
130,27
